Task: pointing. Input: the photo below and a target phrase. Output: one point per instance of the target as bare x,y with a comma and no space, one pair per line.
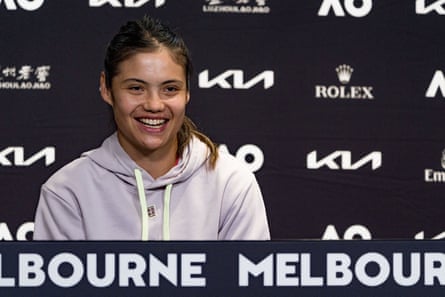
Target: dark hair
148,35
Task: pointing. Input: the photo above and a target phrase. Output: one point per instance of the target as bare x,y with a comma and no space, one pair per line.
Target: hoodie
105,195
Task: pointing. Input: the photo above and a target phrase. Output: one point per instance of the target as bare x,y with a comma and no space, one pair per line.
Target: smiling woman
157,177
148,97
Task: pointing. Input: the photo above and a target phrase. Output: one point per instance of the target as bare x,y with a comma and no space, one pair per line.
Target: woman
156,177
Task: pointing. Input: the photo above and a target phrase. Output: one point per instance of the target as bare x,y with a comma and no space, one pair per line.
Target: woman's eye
135,88
171,89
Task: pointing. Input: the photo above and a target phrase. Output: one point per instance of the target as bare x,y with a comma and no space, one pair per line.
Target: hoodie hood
112,157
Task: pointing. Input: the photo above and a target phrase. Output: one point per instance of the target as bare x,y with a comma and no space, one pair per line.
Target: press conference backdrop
336,105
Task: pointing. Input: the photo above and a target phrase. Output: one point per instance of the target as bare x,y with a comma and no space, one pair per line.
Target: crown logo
344,73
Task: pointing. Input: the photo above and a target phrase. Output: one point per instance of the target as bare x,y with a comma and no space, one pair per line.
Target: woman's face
148,96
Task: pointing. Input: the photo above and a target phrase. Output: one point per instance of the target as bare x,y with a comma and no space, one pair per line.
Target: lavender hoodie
105,195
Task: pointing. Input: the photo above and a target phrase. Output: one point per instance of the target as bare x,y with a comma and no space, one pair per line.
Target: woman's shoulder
71,173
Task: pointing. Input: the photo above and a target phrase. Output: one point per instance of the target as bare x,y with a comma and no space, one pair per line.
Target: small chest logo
151,210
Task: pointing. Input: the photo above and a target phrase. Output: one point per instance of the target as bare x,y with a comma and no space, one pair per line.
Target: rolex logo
344,73
344,91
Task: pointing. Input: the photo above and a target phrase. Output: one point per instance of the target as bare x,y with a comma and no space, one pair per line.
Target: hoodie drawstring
166,216
142,203
144,211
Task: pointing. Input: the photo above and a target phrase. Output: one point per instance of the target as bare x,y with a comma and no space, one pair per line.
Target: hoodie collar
112,157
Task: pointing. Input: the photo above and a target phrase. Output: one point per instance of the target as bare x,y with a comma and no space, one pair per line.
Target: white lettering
254,153
352,232
338,271
189,269
285,272
414,276
97,3
330,233
350,6
131,266
48,153
437,84
432,176
21,234
65,281
422,8
30,272
168,271
127,3
362,274
24,230
343,92
5,234
357,232
246,267
109,271
434,268
306,278
345,161
251,155
421,235
29,5
238,80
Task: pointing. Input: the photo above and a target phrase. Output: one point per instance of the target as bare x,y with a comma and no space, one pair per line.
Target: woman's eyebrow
177,81
135,80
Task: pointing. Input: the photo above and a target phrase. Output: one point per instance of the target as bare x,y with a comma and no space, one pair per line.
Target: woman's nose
153,102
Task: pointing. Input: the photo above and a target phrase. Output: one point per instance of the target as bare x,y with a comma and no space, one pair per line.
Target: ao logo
21,234
349,5
352,232
24,4
437,84
251,155
362,232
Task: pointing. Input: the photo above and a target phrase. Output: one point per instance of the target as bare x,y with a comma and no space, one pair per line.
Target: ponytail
187,131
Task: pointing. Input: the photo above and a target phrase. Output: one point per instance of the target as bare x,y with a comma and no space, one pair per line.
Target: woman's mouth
154,123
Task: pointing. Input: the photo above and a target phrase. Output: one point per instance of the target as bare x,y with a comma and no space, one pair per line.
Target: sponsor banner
14,156
291,268
25,77
236,79
236,6
343,91
342,160
343,8
126,3
358,231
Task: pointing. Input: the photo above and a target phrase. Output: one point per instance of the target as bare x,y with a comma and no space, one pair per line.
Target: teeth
152,122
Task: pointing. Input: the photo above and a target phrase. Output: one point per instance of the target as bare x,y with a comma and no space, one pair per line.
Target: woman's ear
188,97
104,91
